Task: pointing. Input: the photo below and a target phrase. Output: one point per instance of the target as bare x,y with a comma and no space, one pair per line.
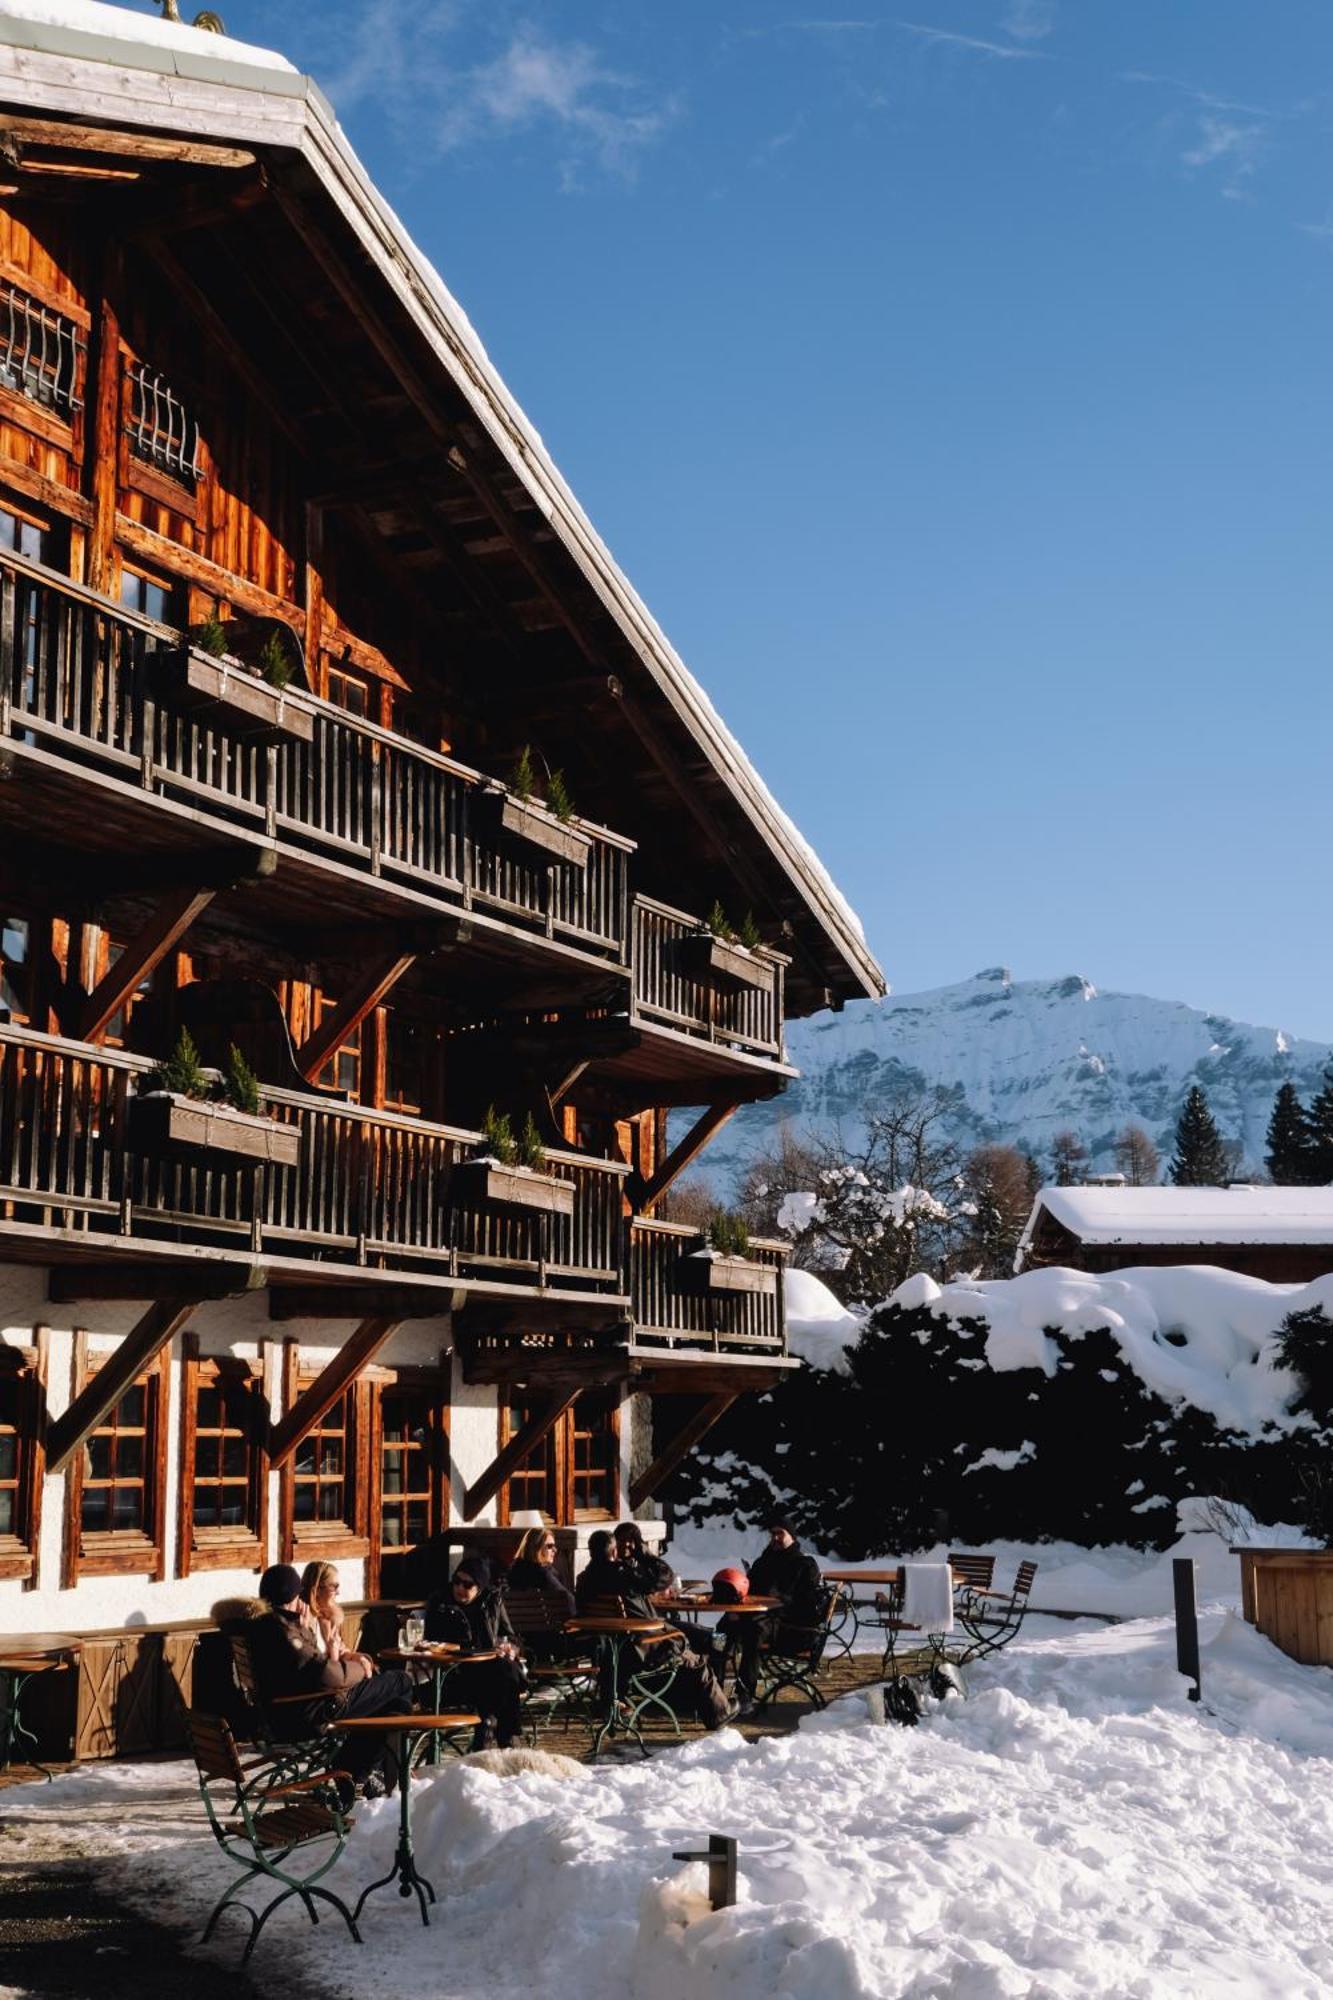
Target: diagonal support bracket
360,1000
119,1371
645,1194
356,1352
521,1446
144,952
686,1438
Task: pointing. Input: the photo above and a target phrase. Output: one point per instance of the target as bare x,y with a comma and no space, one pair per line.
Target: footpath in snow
1074,1828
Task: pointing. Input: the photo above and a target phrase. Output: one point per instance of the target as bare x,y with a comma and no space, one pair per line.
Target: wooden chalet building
287,585
1283,1235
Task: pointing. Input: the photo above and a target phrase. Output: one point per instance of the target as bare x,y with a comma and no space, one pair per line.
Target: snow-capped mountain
1019,1060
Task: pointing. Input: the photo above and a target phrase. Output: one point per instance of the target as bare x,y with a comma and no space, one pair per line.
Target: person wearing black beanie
469,1613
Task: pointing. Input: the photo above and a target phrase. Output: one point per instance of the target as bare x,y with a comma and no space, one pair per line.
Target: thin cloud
1234,148
1197,96
1029,20
974,44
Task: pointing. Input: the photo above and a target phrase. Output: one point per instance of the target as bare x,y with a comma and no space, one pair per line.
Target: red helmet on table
731,1586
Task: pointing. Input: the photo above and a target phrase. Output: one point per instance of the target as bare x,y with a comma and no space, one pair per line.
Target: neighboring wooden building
1281,1234
233,394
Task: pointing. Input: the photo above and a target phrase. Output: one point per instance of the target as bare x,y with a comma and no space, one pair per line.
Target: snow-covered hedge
1052,1404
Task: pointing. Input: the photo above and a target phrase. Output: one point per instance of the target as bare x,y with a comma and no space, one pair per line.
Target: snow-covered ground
1075,1827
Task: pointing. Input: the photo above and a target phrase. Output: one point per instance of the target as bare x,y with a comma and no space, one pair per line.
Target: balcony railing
80,677
371,1191
671,987
671,1311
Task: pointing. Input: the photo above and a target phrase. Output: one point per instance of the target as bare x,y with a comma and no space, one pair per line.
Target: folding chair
262,1819
562,1676
790,1654
972,1575
996,1616
888,1616
629,1691
291,1729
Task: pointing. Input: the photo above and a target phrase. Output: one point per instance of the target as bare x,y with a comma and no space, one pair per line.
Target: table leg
12,1684
409,1877
609,1668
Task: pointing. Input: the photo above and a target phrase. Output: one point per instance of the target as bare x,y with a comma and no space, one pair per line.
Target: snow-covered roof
1186,1215
162,71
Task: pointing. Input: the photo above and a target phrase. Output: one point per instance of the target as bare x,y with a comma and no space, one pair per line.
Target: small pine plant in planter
723,1263
539,830
718,951
510,1170
184,1111
242,697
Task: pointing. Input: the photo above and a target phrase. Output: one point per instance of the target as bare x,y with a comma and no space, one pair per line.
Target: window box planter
515,1187
711,1273
163,1123
721,959
223,694
523,823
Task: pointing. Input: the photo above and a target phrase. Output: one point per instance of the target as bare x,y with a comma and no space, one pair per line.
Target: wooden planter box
225,695
516,1187
715,958
725,1274
1288,1595
163,1123
532,827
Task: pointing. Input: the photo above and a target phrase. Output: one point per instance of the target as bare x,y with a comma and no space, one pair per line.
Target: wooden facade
288,588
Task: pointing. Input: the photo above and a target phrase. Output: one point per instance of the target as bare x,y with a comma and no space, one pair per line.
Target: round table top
862,1575
752,1604
426,1652
399,1725
617,1625
29,1648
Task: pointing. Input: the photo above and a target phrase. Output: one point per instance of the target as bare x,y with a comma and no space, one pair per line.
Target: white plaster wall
226,1326
474,1434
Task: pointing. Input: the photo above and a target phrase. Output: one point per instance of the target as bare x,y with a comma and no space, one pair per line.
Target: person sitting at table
656,1578
606,1576
287,1660
319,1588
469,1613
783,1570
533,1568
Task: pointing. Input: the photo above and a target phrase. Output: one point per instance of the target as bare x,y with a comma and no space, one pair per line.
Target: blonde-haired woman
319,1590
533,1568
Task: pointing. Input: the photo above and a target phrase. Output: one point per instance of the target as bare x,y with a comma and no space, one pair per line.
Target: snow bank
1191,1333
1074,1830
819,1326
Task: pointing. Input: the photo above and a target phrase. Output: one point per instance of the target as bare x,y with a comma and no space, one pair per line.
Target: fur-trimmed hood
234,1610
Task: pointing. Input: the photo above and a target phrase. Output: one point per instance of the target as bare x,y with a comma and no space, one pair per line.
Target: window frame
119,1551
222,1548
559,1443
432,1386
349,1536
20,1550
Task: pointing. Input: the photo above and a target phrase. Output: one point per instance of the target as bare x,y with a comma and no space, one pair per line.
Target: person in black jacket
470,1613
697,1685
785,1571
656,1578
533,1568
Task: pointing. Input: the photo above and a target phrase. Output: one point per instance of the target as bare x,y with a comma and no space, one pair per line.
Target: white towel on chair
928,1596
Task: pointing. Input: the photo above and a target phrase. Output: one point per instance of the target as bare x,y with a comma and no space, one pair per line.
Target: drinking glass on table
414,1631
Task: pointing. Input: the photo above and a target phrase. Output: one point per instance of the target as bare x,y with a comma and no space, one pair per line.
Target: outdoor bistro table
846,1581
405,1728
693,1606
440,1657
22,1655
608,1631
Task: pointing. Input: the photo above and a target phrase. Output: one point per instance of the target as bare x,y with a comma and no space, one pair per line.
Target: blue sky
955,386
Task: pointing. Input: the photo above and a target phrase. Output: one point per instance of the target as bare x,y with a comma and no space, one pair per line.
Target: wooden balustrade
371,1190
670,1310
672,988
84,679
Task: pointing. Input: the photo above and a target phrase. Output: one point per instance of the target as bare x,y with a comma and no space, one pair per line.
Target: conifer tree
1289,1158
1320,1118
1200,1158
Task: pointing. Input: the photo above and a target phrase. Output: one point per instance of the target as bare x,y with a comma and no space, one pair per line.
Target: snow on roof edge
98,32
1184,1215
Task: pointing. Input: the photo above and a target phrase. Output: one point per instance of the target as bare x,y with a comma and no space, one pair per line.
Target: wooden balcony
371,1196
100,762
672,1311
674,988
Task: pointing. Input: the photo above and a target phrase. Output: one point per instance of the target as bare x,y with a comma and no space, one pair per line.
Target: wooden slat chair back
263,1820
285,1726
561,1686
971,1572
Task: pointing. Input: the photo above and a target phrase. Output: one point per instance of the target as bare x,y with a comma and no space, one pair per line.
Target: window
224,1467
323,1485
412,1502
24,538
41,353
118,1479
349,691
15,968
149,598
574,1474
22,1461
162,433
342,1071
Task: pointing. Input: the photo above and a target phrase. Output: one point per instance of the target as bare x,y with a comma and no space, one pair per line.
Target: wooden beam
520,1446
379,978
643,1194
118,1372
131,145
356,1351
209,576
686,1438
68,1284
145,950
351,1300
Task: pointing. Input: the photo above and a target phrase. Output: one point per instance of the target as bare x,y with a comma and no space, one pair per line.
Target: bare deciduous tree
1137,1158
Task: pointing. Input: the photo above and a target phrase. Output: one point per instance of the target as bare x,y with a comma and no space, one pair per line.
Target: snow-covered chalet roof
83,59
1185,1215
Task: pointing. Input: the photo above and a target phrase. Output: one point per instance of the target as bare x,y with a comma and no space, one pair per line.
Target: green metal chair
561,1674
269,1829
791,1654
